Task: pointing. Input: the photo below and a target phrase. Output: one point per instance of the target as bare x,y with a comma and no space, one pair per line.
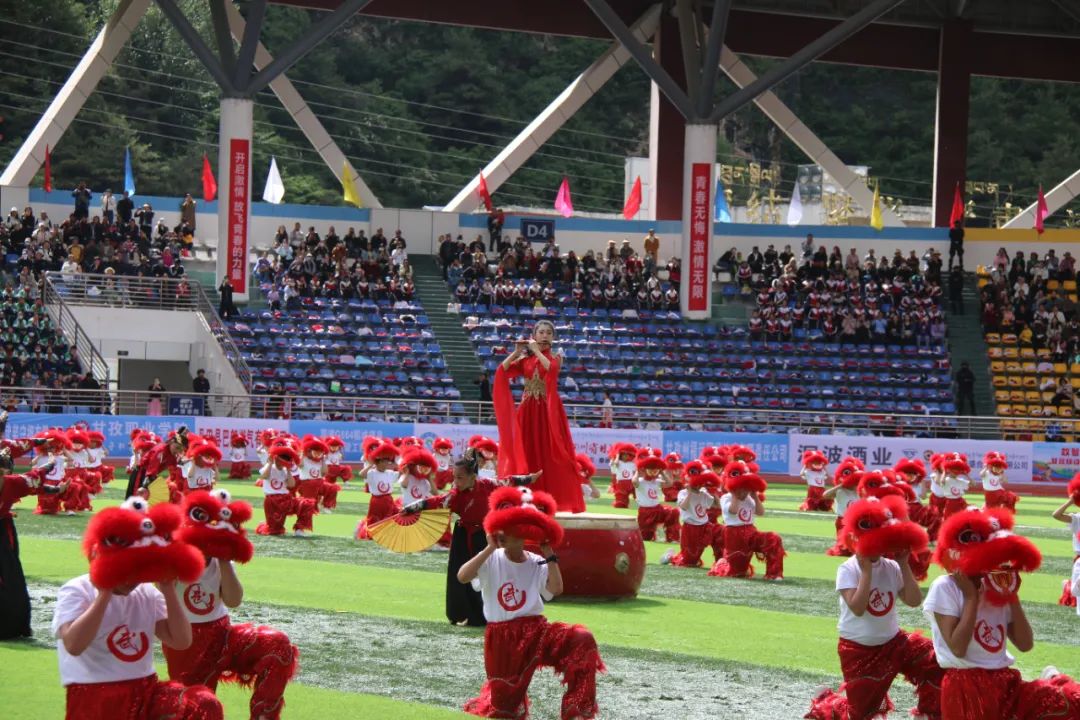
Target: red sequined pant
741,544
142,699
1003,695
649,517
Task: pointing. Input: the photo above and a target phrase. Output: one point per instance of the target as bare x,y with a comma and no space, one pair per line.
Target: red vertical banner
700,221
239,198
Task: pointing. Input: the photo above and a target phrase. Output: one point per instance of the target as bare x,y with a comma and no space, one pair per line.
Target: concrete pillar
666,128
951,128
699,161
234,193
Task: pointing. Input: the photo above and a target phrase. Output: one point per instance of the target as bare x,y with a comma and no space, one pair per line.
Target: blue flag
129,176
721,212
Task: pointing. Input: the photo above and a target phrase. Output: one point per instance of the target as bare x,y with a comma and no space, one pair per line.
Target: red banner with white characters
238,199
697,270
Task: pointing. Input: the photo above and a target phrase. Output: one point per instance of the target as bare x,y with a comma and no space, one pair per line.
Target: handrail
149,293
383,409
67,324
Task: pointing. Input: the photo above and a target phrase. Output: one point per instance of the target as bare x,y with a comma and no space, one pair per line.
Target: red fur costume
912,472
993,477
695,538
336,469
743,542
515,649
649,517
128,545
674,470
382,505
622,455
278,507
443,447
814,464
258,657
981,545
71,497
317,488
106,472
846,477
1067,599
239,467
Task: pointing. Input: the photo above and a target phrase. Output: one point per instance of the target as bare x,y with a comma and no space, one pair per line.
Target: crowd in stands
515,274
848,299
302,265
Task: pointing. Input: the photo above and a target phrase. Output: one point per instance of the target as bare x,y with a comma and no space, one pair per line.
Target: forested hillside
419,108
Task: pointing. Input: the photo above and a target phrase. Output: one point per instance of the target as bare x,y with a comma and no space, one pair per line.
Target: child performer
201,470
623,469
97,452
278,500
739,505
697,531
14,597
444,473
815,473
105,621
845,491
239,467
993,481
82,484
954,483
1068,595
379,475
51,459
974,609
417,469
336,469
489,456
313,482
649,483
937,489
873,649
913,473
161,458
586,469
518,639
256,656
674,473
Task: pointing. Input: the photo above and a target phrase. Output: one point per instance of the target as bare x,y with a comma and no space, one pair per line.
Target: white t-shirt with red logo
197,476
201,599
697,512
414,489
512,590
987,647
381,482
844,497
444,462
80,458
237,454
649,493
334,457
94,457
311,469
56,475
992,481
624,469
277,481
954,486
737,512
937,488
123,648
814,478
879,623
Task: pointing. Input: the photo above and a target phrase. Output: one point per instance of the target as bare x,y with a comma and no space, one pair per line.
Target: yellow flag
875,213
348,184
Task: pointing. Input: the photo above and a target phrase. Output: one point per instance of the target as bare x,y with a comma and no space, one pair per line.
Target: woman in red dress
536,435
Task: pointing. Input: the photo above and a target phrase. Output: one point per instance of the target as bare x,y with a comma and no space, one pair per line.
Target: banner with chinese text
237,207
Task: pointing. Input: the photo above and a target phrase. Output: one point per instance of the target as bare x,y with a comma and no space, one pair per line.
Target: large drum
601,555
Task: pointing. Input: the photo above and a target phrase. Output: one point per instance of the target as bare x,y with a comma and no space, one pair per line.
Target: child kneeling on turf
873,649
105,621
739,506
974,610
697,533
518,639
648,488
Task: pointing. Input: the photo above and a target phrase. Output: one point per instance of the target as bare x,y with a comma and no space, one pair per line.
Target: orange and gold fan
407,533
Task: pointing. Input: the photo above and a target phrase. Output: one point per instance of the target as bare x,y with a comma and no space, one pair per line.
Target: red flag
1041,211
633,203
209,185
48,170
957,208
482,191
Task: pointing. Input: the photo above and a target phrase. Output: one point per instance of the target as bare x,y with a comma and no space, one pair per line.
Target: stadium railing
69,326
655,417
139,293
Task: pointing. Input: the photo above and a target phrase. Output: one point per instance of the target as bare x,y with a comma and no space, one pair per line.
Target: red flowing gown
535,435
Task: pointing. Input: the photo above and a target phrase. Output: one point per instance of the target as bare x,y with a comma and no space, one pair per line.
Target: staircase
966,343
457,349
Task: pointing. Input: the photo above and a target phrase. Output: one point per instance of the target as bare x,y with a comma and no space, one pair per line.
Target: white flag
275,190
794,211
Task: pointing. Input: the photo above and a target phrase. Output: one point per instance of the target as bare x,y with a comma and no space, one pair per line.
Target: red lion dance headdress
879,526
523,513
134,543
981,543
213,524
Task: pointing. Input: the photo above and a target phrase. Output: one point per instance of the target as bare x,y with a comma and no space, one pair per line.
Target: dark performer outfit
14,597
159,459
471,506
